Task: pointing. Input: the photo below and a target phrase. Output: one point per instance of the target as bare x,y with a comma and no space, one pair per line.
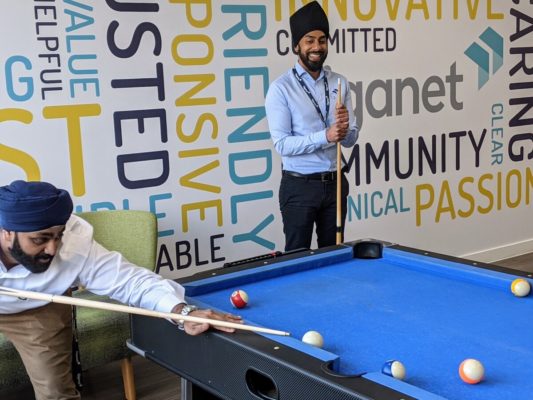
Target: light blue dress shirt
298,132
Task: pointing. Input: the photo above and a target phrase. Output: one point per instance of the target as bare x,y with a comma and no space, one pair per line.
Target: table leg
186,389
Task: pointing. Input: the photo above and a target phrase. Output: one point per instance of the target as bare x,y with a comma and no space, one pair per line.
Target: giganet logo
481,56
384,98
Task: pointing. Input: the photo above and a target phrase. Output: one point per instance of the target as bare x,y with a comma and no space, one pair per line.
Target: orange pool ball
471,371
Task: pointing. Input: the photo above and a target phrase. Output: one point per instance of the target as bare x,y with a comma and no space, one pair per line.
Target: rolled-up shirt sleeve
109,273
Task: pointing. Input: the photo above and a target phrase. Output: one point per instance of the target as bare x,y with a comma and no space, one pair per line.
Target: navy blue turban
310,17
33,206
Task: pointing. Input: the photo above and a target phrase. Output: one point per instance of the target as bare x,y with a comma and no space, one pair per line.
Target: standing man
306,123
43,248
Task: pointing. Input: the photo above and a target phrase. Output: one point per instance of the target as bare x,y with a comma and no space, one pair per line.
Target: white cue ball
313,338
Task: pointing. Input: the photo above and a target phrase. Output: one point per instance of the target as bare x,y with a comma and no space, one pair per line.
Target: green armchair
102,334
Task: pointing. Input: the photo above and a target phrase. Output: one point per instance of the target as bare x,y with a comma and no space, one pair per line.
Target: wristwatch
186,310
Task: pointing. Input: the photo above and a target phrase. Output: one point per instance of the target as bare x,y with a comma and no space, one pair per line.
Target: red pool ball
239,299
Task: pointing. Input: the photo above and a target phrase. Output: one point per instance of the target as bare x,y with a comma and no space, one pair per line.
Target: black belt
319,176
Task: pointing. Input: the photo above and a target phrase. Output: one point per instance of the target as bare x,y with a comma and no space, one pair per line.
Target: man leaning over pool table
45,248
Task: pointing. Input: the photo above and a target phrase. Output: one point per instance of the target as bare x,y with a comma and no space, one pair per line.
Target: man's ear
295,49
7,236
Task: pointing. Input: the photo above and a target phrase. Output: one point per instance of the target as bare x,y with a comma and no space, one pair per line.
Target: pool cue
339,175
25,294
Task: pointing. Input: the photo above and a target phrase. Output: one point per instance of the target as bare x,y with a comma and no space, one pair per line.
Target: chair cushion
102,334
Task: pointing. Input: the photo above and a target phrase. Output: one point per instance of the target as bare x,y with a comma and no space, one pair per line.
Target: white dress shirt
82,261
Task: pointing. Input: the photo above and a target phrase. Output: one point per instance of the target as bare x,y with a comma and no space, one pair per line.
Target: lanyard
310,95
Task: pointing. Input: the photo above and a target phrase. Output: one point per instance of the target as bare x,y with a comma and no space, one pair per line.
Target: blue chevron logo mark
494,41
481,57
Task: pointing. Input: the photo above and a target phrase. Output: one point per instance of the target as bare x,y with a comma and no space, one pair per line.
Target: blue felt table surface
428,313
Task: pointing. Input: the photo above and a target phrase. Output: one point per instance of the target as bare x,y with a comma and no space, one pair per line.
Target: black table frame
246,365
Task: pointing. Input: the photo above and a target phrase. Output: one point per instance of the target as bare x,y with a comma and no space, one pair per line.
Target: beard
313,65
35,264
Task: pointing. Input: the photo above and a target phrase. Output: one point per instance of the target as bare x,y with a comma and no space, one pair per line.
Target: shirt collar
301,72
18,271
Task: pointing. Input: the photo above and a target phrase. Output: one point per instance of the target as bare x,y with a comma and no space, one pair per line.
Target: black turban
33,206
310,17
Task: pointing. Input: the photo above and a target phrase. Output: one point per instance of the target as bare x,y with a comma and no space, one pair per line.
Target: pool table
372,302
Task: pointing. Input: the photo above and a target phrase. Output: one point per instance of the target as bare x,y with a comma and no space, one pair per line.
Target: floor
156,383
105,383
522,263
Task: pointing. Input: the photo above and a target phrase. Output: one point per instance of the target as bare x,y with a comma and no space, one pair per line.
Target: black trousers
305,202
